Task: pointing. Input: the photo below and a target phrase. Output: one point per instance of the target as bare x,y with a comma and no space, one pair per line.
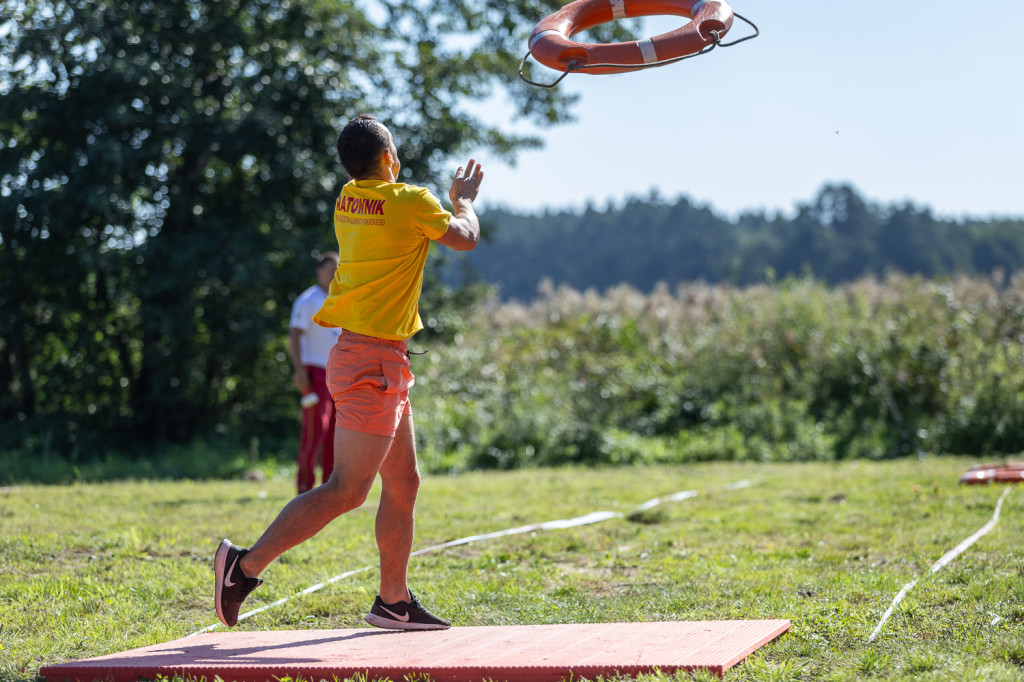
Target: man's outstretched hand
466,183
464,228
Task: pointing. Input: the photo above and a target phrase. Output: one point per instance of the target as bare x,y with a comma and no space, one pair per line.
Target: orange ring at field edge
1007,472
550,44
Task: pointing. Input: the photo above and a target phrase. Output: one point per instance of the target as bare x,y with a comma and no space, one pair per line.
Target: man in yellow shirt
384,229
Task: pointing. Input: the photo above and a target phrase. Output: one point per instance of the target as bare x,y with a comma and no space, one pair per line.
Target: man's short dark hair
360,144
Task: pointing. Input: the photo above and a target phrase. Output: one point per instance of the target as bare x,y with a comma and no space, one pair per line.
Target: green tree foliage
167,169
838,236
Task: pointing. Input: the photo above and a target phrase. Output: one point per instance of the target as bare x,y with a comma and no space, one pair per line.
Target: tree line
838,236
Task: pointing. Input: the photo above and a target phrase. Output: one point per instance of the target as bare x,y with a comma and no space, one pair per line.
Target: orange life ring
550,44
1007,472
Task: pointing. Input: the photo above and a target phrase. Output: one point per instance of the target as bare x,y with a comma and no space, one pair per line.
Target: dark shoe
404,615
232,585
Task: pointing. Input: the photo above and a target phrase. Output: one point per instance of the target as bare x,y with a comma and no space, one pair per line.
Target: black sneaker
404,615
232,585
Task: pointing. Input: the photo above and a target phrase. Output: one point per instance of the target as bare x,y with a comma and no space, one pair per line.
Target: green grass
92,569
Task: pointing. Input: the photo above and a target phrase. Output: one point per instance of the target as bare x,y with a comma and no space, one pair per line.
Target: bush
792,371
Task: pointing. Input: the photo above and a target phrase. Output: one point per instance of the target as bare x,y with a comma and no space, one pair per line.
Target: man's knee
404,487
345,493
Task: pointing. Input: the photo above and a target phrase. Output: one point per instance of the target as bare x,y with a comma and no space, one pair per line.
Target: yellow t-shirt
384,231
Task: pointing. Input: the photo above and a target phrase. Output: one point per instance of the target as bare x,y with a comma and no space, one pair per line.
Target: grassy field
87,570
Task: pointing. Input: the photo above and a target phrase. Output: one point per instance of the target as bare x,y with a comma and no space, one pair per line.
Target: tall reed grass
791,370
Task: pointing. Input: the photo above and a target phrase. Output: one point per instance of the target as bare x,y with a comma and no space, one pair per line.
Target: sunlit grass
87,570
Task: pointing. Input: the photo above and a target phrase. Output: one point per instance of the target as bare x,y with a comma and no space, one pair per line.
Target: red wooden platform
522,653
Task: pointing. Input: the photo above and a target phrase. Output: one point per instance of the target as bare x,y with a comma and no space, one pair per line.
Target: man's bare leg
400,481
358,457
396,607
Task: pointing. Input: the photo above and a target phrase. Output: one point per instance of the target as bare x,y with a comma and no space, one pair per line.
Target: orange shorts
369,380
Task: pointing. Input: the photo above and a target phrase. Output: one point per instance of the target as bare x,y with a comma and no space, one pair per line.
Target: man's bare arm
463,232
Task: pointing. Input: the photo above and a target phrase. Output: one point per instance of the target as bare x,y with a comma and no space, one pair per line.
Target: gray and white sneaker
404,615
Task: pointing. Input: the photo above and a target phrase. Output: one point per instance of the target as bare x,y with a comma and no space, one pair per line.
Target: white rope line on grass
650,504
558,524
309,590
738,485
942,563
592,517
892,607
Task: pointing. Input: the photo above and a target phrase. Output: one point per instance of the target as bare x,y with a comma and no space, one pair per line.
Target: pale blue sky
905,100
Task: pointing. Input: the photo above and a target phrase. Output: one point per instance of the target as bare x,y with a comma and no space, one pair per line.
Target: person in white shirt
309,344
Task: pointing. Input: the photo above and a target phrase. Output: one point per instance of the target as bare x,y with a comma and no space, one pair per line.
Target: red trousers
317,433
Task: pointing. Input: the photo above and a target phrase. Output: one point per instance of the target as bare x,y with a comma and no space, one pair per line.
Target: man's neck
383,175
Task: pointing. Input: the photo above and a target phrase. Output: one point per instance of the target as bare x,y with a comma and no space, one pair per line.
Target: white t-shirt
316,342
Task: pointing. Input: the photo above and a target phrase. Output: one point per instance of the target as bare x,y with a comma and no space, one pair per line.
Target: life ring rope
576,67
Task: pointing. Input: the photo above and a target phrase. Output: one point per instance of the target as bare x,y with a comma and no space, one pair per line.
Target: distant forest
838,237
